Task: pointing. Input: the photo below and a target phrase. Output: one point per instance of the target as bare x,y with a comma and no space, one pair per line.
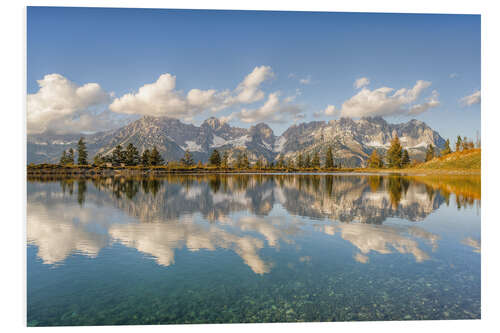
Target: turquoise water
250,248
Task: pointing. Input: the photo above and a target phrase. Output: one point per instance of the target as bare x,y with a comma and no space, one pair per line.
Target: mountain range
352,140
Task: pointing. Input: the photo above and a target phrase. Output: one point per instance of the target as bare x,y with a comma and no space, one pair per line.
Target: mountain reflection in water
156,216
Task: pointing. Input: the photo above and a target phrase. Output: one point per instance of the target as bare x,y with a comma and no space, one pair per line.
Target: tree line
241,161
130,157
127,157
397,157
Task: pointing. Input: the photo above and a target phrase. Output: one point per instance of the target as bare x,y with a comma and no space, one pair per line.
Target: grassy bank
459,163
463,160
133,170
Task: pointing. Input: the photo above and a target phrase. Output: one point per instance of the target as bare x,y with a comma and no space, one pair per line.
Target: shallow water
252,248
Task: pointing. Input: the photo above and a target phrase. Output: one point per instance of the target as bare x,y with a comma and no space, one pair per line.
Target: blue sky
296,64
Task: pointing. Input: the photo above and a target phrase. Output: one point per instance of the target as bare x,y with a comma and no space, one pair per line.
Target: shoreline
157,171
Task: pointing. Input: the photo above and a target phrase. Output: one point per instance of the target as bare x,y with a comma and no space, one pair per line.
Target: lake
252,248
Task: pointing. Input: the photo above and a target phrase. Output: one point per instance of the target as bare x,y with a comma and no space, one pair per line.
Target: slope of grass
463,160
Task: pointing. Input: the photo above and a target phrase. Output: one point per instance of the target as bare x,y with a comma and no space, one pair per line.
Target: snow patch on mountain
422,144
240,142
267,145
279,144
377,144
217,141
192,146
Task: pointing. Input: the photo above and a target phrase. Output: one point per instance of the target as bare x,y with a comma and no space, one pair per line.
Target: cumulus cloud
162,99
62,106
273,111
330,110
249,90
430,102
387,101
474,98
361,82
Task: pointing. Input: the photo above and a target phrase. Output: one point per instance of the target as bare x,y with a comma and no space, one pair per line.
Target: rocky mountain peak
212,122
262,129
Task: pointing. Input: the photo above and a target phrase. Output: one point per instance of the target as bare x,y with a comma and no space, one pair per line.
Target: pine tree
245,163
405,159
155,157
71,157
478,139
394,154
467,144
458,144
215,158
329,158
316,163
375,161
64,158
98,160
429,154
446,150
82,152
307,161
281,162
300,161
131,155
145,159
237,163
117,155
225,160
187,160
258,164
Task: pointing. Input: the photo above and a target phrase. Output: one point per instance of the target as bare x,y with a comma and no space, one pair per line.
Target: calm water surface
252,248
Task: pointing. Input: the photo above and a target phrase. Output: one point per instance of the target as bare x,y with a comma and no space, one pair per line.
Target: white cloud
292,98
474,98
272,111
201,98
453,75
330,110
249,90
361,82
162,99
155,99
386,101
431,102
62,106
306,80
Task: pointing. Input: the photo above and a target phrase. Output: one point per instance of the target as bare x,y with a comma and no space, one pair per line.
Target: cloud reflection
161,239
160,216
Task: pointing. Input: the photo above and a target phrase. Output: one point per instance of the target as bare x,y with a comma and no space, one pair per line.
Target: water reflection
240,213
473,243
61,229
383,239
161,239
